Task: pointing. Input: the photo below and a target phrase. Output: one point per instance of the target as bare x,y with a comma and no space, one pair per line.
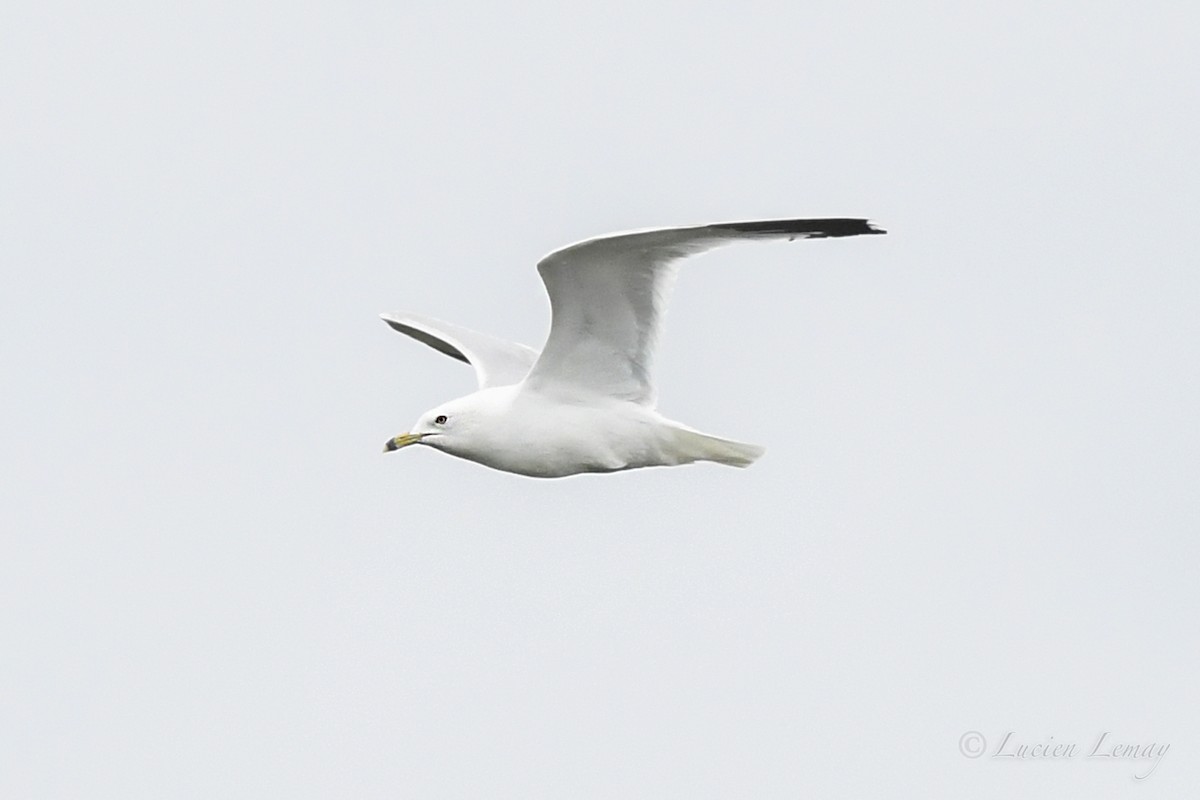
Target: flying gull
586,403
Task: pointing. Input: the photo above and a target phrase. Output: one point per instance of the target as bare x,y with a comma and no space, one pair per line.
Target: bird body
516,429
586,402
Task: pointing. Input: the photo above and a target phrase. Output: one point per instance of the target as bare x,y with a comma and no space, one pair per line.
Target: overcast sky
978,510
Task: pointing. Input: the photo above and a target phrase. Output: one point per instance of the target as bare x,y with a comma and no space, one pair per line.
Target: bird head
452,426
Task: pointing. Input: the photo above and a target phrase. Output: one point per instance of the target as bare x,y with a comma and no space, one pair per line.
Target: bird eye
441,420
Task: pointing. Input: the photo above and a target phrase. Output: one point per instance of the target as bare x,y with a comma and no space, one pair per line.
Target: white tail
699,446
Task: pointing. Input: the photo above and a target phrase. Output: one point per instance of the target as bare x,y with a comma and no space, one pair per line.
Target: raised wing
496,361
608,295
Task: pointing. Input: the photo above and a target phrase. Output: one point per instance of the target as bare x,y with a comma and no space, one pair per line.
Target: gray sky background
978,510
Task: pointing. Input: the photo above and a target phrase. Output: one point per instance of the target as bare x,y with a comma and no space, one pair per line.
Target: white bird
586,403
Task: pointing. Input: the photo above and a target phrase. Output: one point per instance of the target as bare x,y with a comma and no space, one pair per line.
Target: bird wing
497,362
608,296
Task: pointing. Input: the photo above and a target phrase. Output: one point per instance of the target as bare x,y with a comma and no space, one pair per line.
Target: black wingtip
436,342
808,228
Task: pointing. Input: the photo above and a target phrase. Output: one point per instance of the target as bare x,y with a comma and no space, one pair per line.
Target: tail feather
696,446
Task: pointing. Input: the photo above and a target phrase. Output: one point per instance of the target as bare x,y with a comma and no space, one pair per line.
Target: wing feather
497,362
608,296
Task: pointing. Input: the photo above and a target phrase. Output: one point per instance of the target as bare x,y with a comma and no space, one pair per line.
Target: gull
586,403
